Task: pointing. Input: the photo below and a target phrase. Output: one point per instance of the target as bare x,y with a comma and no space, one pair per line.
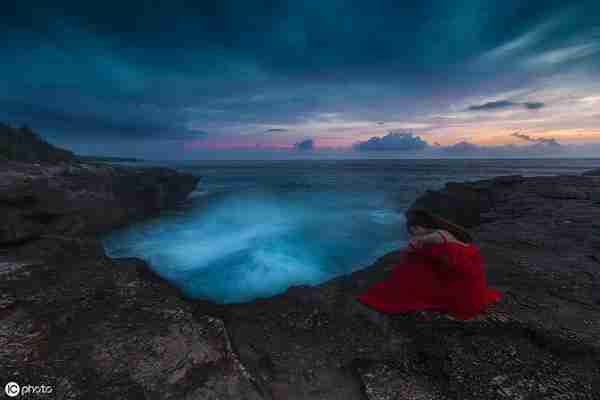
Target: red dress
447,277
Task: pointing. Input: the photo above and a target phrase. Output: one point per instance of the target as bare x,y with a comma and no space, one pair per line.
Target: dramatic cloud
393,141
542,140
408,142
492,105
533,105
305,145
274,130
76,120
126,76
497,105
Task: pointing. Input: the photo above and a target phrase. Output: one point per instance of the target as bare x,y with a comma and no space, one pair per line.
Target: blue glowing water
254,228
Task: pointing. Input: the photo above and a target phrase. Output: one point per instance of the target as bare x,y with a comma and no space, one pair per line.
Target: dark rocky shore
101,328
84,324
75,320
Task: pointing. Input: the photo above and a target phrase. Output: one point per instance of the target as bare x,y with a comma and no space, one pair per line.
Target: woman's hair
426,219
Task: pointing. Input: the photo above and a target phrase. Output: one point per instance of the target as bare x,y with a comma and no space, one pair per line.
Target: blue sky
183,79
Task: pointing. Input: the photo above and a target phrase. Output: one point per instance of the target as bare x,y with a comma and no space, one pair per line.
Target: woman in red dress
440,270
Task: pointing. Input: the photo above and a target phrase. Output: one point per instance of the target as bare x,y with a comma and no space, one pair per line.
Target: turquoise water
254,228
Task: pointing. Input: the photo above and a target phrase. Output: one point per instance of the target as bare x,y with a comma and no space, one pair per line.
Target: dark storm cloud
294,37
502,104
222,63
534,105
492,105
542,140
305,145
275,130
393,141
77,123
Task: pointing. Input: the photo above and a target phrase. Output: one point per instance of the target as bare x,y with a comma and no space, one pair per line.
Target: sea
252,229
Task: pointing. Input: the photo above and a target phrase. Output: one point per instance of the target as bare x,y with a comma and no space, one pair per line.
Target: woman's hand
414,244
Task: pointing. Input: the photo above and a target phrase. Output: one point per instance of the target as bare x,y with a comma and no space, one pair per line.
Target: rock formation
593,172
77,198
22,144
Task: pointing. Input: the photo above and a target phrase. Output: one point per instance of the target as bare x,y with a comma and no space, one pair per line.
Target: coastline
97,327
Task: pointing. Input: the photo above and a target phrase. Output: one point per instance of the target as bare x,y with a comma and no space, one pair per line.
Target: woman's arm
457,260
436,237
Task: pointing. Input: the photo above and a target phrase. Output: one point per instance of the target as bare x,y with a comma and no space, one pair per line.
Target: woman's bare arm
435,237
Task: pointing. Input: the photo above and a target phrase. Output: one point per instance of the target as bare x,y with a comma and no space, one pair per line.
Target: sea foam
240,247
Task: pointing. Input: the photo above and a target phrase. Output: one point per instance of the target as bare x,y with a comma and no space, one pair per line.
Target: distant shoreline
108,159
334,159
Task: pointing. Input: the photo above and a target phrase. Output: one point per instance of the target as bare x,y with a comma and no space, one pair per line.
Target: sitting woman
441,270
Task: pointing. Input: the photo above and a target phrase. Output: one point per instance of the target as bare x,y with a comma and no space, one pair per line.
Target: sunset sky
180,79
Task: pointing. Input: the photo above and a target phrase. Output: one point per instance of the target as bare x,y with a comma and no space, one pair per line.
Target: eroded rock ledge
81,199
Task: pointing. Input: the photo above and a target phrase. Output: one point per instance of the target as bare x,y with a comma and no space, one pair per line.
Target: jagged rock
592,172
78,198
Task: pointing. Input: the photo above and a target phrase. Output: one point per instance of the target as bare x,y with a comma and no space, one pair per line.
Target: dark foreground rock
92,327
592,172
88,326
541,240
78,198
